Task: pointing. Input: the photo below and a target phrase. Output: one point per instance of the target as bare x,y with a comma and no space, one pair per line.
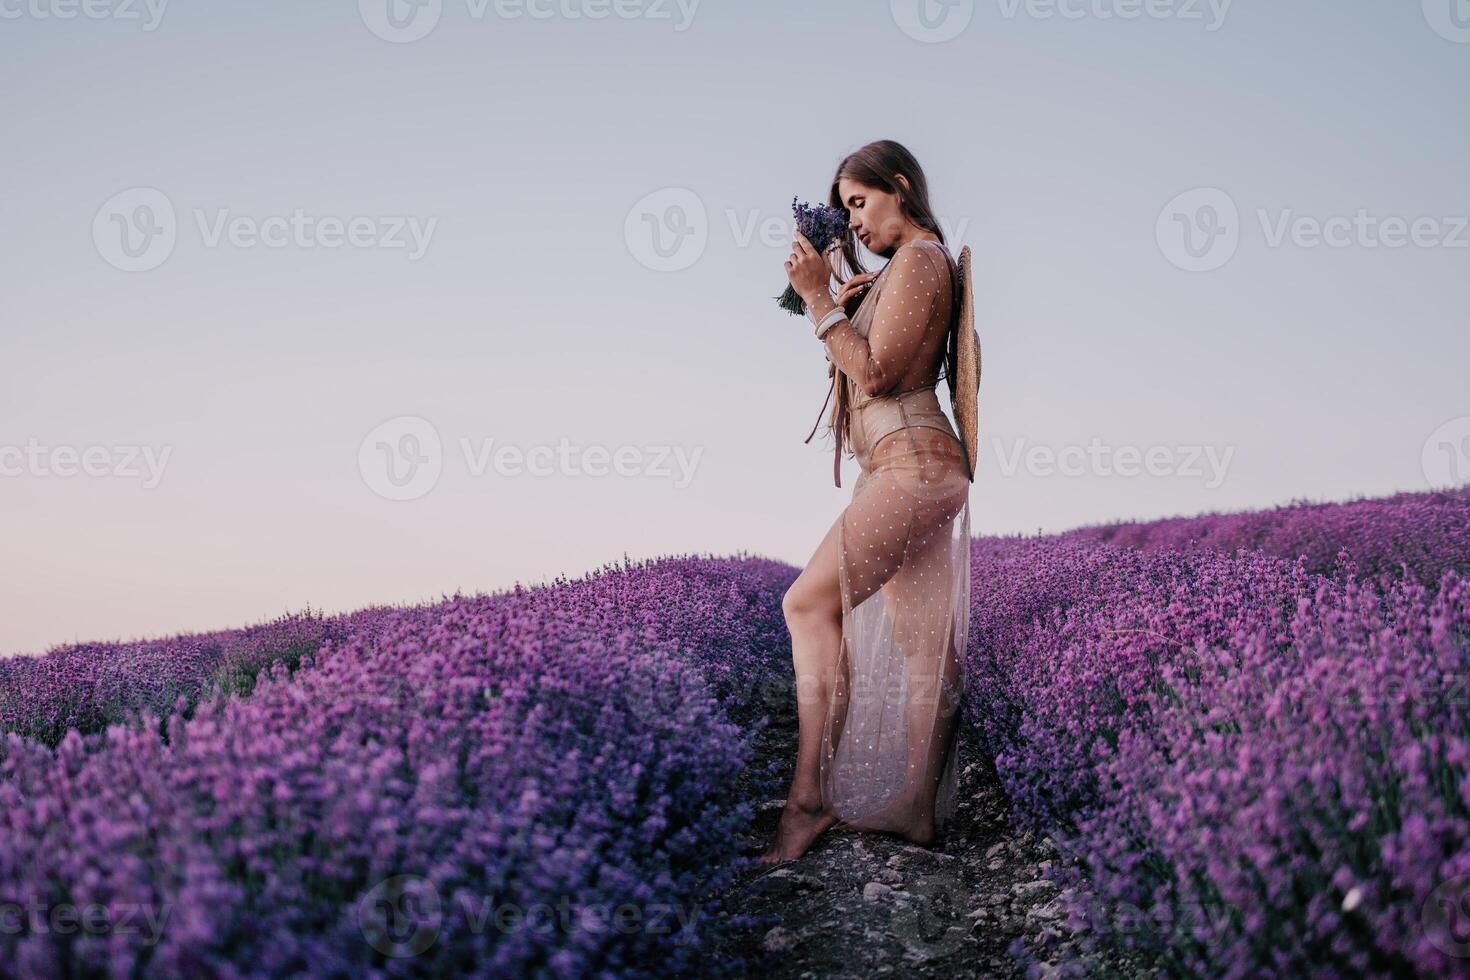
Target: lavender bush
1417,535
1252,769
88,686
535,783
1300,805
1068,647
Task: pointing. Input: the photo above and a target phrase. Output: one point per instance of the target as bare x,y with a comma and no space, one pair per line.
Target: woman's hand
852,292
807,271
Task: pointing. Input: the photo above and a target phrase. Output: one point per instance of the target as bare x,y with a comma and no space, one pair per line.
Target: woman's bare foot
900,818
802,822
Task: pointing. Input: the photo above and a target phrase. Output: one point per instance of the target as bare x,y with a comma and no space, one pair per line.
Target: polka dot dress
888,754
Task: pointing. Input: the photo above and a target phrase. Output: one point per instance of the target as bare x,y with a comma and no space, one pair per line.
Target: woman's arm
907,301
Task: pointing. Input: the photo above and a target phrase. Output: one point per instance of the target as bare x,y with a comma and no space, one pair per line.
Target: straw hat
967,374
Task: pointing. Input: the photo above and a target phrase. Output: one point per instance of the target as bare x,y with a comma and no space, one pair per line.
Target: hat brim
967,373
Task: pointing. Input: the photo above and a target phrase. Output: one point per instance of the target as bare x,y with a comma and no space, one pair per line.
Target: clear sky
248,247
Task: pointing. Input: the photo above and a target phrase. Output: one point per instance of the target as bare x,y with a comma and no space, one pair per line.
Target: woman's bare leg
813,608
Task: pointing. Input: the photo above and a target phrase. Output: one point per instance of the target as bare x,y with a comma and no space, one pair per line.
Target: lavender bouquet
822,225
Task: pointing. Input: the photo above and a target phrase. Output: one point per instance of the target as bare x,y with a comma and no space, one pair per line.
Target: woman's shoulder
933,245
923,250
921,257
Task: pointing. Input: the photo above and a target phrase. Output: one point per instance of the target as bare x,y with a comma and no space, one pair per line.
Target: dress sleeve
906,303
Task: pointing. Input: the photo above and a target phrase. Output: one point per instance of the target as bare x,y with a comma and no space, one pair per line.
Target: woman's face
873,215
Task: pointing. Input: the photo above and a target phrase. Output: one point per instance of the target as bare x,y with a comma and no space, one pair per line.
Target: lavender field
1248,734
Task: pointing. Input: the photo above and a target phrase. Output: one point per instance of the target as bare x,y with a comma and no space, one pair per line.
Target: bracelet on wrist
836,316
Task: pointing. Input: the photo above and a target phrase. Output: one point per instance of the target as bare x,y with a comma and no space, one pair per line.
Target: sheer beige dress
904,553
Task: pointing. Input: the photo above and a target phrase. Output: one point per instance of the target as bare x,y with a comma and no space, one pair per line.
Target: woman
879,618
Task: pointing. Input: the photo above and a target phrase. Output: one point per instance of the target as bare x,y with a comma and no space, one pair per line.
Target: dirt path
860,905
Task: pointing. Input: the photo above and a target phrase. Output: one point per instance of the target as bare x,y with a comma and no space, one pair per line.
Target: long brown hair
878,165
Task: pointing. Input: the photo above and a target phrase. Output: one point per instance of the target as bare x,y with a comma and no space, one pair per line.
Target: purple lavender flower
822,225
